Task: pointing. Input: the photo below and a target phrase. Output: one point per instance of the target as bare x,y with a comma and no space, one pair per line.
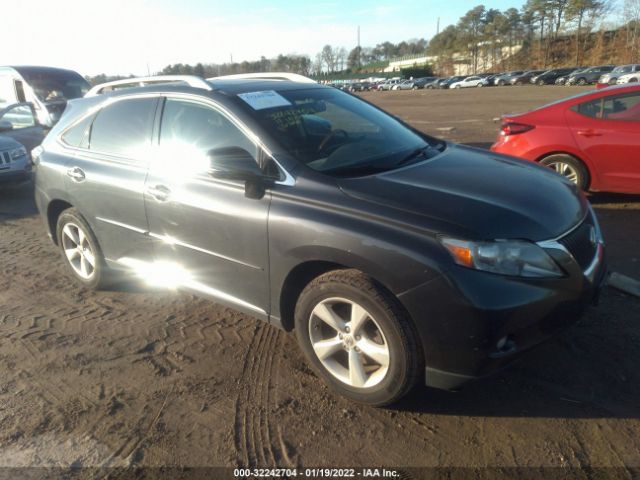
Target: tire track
255,437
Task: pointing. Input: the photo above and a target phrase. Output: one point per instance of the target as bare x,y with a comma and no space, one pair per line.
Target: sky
133,36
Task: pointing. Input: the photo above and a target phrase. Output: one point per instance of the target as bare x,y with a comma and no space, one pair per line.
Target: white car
474,81
629,78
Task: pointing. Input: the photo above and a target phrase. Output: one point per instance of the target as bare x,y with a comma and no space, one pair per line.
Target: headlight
509,257
17,153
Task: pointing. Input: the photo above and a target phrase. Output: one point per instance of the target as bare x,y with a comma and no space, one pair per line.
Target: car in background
376,244
562,80
628,78
473,81
592,138
549,77
389,84
525,78
47,88
420,83
611,78
488,81
360,87
505,79
403,85
588,75
433,84
446,83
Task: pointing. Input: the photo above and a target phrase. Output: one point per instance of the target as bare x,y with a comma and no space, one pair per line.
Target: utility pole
438,26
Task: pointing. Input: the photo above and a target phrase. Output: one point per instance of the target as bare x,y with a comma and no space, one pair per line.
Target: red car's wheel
569,167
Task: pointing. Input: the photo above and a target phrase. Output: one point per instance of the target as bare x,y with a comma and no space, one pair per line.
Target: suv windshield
49,86
338,134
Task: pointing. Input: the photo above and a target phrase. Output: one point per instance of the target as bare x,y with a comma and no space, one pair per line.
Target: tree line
546,29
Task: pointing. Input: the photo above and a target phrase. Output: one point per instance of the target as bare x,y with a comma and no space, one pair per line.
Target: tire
519,83
72,230
480,85
430,87
386,328
458,87
569,167
540,83
582,82
501,83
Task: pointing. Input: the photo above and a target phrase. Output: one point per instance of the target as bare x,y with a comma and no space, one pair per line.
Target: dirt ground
154,378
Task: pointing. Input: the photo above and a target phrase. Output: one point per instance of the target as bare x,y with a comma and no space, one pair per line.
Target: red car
592,138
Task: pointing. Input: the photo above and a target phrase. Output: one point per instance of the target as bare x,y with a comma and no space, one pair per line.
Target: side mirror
233,163
5,126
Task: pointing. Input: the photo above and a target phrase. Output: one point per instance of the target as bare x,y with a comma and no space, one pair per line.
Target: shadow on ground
16,201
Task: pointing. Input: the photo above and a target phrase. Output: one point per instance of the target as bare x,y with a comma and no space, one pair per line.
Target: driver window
189,130
20,116
618,107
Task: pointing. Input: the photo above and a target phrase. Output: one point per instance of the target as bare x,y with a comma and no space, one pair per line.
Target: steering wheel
330,135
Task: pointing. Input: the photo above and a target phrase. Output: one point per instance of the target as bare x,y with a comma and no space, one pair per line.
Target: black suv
394,255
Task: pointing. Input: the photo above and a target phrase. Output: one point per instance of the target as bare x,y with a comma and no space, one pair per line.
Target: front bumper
474,323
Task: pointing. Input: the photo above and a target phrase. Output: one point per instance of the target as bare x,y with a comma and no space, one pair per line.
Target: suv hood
475,193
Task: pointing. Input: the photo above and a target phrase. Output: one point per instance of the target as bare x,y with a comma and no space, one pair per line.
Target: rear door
607,130
211,235
106,176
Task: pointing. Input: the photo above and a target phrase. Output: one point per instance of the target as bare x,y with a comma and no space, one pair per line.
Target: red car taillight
513,128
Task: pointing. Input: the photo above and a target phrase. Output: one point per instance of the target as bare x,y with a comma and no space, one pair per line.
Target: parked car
403,85
473,81
435,83
592,139
360,87
395,256
549,77
420,83
48,89
588,75
628,78
505,79
525,78
446,83
488,81
611,78
388,85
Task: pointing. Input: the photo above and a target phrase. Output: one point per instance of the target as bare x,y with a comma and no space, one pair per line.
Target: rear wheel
458,87
357,337
582,82
501,83
569,167
540,83
80,250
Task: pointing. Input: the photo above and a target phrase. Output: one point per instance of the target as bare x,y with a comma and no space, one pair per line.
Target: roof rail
293,77
190,80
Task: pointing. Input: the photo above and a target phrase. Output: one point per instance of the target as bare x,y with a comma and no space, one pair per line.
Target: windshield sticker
266,99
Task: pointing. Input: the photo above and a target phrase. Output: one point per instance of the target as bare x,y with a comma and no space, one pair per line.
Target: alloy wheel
349,342
564,169
78,251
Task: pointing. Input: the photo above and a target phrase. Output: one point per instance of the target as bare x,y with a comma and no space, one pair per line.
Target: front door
213,238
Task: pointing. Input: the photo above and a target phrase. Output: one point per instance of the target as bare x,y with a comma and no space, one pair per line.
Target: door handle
589,133
159,192
76,174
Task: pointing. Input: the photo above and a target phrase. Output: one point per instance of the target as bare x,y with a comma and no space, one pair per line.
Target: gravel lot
154,378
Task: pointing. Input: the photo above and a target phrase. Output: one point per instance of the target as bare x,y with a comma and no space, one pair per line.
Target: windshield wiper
361,169
418,152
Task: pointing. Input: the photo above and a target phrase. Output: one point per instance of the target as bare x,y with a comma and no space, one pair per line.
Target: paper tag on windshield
265,99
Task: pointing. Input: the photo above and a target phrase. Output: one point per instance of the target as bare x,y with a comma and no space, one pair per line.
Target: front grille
582,243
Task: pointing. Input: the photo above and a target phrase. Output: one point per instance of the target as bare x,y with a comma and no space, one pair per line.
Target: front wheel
458,87
569,167
80,250
582,82
540,83
357,337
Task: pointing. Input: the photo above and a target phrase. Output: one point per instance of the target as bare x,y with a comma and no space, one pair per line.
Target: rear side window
78,135
624,108
124,127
